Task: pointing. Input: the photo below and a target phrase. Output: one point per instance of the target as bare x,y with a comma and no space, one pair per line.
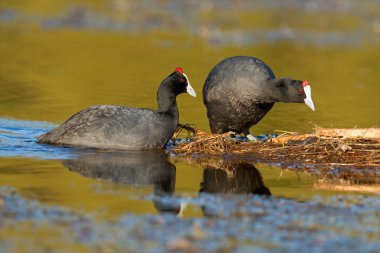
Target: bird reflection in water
233,178
136,168
230,178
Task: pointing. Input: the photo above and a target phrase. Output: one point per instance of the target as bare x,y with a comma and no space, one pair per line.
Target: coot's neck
277,89
166,99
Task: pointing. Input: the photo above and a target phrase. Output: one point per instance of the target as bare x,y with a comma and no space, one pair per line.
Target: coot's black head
179,83
295,91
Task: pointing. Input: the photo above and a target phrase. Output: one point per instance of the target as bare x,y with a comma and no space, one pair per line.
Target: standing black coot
121,127
240,90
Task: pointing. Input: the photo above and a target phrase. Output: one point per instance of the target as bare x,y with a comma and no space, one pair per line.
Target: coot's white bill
308,100
189,88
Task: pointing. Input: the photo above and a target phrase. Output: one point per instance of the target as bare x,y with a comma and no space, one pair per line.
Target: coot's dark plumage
240,90
121,127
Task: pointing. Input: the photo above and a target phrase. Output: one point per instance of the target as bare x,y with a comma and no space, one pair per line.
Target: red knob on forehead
305,83
179,70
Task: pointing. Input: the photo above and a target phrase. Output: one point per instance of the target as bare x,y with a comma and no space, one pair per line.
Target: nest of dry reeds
343,147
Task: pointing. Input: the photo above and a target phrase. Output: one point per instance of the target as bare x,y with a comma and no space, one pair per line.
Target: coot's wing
97,123
107,126
107,121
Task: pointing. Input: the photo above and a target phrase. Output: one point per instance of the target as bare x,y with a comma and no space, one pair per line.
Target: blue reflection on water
18,138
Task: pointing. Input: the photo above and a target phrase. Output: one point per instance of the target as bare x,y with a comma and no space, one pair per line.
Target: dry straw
359,148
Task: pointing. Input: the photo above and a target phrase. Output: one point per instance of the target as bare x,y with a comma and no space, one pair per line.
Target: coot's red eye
300,91
182,80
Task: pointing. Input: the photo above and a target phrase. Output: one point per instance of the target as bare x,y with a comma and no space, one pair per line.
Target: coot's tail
52,137
47,138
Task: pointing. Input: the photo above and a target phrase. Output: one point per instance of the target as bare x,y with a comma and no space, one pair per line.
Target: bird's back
237,74
118,127
232,93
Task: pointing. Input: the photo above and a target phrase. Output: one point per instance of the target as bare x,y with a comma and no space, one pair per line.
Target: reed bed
359,148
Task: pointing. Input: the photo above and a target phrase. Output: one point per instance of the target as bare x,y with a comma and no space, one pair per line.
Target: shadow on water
152,168
134,168
235,178
230,179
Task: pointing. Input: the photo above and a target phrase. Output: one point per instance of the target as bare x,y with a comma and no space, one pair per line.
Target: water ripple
18,138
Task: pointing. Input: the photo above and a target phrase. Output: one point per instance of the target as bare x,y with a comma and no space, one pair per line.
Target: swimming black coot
121,127
240,90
